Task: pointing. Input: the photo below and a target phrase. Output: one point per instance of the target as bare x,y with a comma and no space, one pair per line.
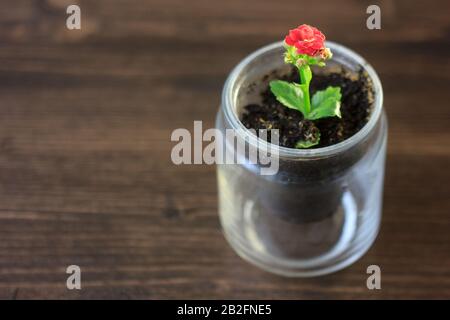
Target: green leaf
330,92
326,103
304,144
289,94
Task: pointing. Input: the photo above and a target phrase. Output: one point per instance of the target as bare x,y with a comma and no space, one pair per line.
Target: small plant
305,47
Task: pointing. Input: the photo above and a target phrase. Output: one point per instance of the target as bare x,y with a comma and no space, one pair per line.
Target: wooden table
85,170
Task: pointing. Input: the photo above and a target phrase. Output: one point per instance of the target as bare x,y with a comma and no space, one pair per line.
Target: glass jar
321,210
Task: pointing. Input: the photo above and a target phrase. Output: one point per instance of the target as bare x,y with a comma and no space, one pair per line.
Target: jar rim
231,114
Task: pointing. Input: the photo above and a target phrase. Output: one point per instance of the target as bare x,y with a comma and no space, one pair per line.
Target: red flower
308,40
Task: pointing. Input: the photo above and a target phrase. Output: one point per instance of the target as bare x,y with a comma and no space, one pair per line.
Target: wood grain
85,124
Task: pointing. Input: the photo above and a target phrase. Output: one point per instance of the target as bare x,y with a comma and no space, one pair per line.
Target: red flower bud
306,39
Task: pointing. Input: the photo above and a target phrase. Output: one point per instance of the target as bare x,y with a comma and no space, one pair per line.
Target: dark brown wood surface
85,170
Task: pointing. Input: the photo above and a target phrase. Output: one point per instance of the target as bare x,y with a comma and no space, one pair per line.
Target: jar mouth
229,92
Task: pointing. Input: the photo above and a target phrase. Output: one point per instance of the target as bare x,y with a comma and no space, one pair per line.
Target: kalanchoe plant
305,46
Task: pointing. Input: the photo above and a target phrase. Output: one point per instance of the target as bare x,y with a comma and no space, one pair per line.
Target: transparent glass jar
321,211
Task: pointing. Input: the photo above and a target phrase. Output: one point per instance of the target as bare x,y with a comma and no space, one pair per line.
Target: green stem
304,71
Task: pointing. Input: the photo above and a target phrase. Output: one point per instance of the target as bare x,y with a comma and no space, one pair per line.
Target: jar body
321,210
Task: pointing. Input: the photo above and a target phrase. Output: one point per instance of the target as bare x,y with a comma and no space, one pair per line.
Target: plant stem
304,79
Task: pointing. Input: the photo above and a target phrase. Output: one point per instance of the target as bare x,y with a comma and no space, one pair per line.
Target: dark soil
355,110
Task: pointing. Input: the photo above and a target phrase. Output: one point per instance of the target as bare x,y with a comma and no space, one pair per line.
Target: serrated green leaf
322,95
329,108
289,94
326,103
